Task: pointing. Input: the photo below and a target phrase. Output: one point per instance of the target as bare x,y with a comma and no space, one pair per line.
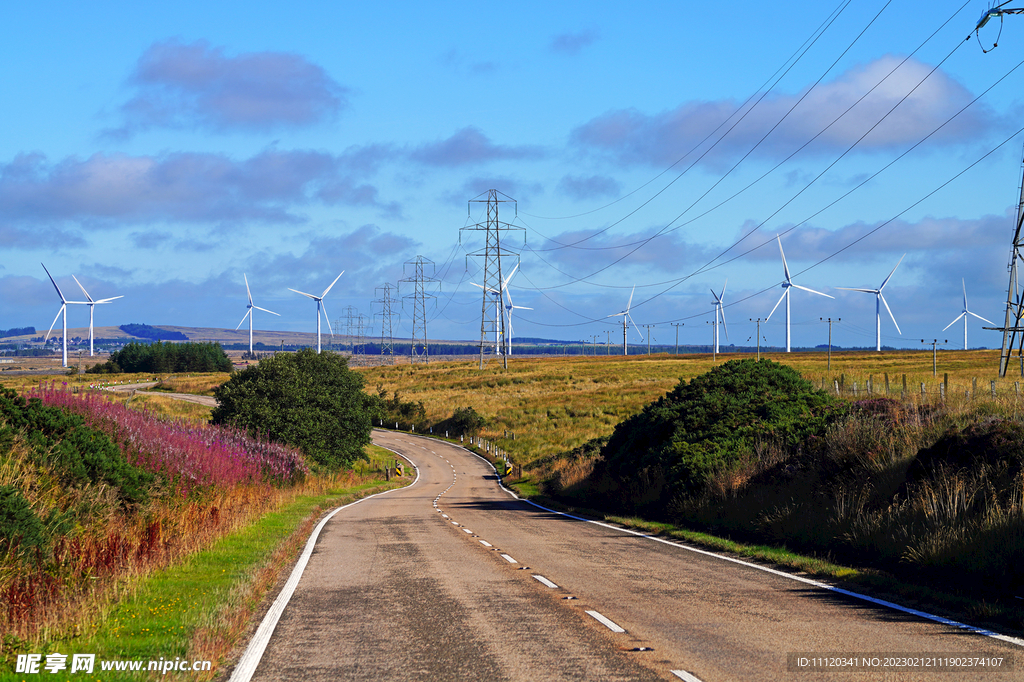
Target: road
453,579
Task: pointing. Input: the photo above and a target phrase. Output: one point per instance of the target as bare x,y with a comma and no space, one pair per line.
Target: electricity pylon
387,339
419,308
1013,333
493,283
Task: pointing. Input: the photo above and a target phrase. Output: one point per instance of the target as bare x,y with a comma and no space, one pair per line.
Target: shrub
20,528
165,357
464,421
306,399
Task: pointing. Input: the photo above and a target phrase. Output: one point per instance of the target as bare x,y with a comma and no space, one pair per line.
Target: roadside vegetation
165,357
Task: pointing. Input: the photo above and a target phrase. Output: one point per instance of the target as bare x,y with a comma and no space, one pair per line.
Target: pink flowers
190,456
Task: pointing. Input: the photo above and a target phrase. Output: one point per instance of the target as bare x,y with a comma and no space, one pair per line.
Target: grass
196,384
200,608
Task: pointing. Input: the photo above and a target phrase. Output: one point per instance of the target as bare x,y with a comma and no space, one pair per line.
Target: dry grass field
555,404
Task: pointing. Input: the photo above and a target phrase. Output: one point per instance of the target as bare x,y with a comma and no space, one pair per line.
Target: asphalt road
443,581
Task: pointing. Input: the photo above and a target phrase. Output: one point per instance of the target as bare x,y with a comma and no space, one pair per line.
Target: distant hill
144,331
17,331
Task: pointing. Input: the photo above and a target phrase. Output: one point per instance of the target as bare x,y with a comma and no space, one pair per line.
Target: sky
164,152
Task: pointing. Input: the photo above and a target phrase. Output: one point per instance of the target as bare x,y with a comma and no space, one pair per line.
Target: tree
310,400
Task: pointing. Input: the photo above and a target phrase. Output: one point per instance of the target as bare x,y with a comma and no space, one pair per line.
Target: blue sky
160,152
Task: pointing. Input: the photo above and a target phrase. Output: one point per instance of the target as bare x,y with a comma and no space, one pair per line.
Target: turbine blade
956,320
265,310
55,287
247,313
62,307
636,328
108,300
616,315
630,304
964,285
785,265
324,308
866,291
509,278
884,302
891,273
968,312
521,307
304,294
784,294
82,288
797,286
247,291
332,283
723,320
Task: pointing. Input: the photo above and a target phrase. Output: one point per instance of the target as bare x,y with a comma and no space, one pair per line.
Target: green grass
171,607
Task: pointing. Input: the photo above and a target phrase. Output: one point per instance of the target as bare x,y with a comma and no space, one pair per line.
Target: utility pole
714,346
758,334
935,342
387,339
493,283
648,327
608,343
830,321
677,325
419,307
594,337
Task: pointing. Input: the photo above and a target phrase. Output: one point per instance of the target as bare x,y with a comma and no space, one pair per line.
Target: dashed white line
683,675
466,530
545,581
486,544
610,624
509,559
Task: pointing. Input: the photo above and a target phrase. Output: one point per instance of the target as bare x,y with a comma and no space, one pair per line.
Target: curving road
453,579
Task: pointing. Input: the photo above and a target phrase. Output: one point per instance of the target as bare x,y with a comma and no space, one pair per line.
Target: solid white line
509,559
545,581
253,653
683,675
486,544
605,621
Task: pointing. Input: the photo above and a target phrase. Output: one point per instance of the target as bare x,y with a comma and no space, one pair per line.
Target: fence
915,390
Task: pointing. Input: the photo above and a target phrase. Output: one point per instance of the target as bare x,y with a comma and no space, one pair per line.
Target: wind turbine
786,286
319,306
63,311
964,315
92,305
509,307
248,313
626,316
879,301
498,341
719,310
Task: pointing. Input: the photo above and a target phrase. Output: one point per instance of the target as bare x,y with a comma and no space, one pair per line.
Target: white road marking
454,523
545,581
486,544
446,516
605,621
509,559
683,675
466,530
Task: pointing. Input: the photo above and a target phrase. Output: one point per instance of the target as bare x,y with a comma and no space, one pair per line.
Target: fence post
904,384
945,384
887,383
1016,387
942,391
974,385
922,389
871,383
993,388
836,384
855,389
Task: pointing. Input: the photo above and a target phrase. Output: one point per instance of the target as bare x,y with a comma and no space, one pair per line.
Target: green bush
309,400
464,421
20,528
676,444
74,451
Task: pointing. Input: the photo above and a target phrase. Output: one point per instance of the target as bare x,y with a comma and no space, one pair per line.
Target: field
555,404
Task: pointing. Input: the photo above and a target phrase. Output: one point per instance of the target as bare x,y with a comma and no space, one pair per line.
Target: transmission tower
494,283
349,314
387,339
1013,333
420,283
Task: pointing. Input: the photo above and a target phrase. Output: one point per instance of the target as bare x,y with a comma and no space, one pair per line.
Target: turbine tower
248,313
786,286
964,315
879,302
626,316
320,306
720,311
92,305
64,303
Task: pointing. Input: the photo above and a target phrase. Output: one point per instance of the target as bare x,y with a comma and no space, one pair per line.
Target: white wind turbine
786,286
248,313
498,342
720,311
879,302
625,328
509,307
92,305
64,303
964,315
320,306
